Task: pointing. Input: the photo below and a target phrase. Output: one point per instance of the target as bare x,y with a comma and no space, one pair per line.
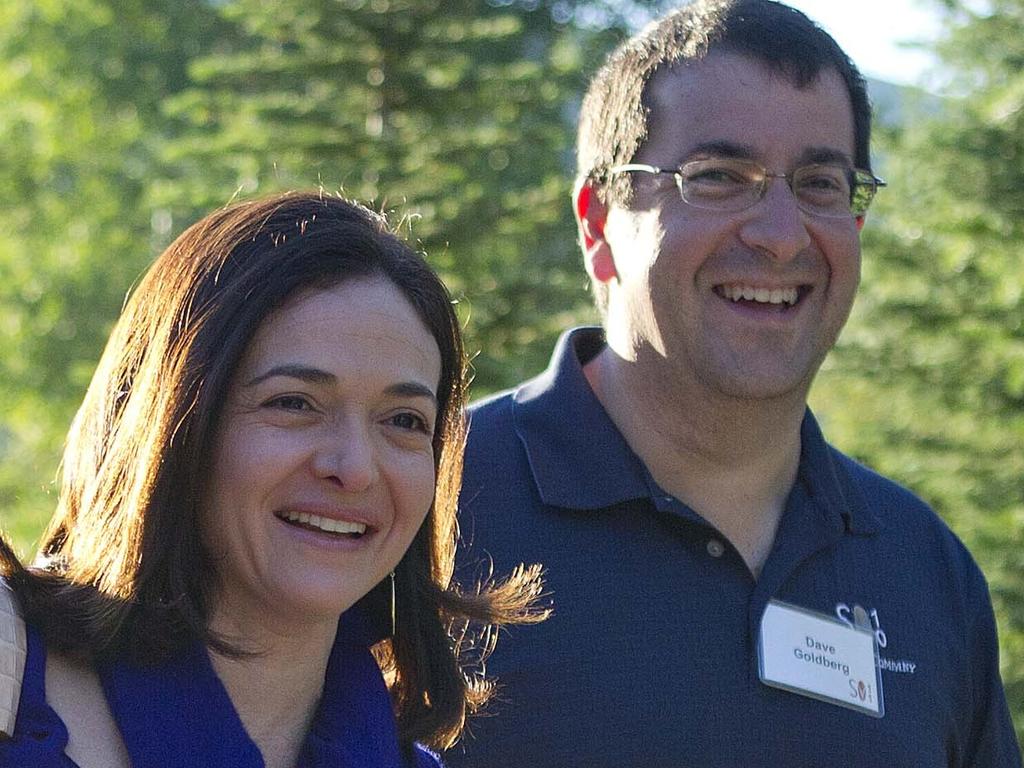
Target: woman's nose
346,457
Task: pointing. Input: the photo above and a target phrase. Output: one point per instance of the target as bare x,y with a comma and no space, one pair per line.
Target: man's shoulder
879,491
496,468
492,411
544,397
492,440
905,516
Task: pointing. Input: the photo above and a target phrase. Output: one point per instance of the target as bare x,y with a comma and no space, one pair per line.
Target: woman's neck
276,690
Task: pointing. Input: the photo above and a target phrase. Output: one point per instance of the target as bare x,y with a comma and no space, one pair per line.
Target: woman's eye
410,421
289,403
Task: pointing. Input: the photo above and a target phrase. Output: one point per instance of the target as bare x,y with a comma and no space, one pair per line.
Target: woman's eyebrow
293,371
412,389
319,376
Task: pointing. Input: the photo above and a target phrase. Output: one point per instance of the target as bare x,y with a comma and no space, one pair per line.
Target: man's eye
823,183
716,175
289,403
410,421
823,179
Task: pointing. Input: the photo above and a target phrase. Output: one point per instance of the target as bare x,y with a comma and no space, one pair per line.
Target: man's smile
762,299
747,292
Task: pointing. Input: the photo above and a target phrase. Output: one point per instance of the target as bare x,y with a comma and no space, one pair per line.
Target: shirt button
716,548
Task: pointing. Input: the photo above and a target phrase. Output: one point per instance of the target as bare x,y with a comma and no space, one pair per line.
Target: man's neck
731,460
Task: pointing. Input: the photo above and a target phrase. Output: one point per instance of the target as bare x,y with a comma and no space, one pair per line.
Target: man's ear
591,215
860,222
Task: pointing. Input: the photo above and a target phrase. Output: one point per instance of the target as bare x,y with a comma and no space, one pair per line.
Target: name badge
814,655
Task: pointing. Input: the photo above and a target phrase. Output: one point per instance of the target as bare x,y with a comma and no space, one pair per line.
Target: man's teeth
324,523
761,295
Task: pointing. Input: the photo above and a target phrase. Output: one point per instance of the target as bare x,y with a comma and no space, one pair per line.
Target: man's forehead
736,100
723,72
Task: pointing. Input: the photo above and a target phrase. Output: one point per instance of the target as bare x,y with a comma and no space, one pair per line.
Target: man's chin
760,385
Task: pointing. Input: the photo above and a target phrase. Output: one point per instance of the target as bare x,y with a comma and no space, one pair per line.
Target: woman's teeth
326,524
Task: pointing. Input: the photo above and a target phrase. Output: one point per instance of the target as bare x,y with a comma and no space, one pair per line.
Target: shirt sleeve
993,740
427,759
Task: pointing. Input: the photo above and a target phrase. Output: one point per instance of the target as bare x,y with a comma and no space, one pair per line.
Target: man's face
675,301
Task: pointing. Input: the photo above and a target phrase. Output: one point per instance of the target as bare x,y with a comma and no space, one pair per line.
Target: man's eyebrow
826,155
720,148
301,372
746,152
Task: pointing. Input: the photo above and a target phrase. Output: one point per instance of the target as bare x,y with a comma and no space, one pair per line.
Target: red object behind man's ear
590,214
587,226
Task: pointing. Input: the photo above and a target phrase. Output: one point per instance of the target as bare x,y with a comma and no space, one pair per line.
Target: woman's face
323,469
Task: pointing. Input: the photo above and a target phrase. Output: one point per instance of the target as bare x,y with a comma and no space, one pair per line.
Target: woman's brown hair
122,571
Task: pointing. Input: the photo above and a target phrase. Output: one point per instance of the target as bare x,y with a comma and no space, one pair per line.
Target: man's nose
775,225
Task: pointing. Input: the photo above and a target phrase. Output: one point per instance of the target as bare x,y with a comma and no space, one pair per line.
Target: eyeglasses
733,184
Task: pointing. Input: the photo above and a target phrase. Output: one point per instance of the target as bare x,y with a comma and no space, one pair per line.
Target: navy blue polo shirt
651,656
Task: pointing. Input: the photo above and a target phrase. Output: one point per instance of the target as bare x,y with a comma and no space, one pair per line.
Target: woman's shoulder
62,717
37,735
74,692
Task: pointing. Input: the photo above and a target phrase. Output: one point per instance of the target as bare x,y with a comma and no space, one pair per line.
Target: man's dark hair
613,119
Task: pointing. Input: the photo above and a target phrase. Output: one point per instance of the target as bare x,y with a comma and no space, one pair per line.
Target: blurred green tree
82,82
125,120
457,114
927,384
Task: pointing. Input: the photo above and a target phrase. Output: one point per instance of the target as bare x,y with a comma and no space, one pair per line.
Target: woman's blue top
178,715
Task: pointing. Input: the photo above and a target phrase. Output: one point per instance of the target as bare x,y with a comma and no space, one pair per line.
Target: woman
272,441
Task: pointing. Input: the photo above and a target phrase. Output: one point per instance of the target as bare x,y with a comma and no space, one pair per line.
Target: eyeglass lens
728,184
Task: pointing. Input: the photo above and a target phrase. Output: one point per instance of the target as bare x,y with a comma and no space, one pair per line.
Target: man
729,590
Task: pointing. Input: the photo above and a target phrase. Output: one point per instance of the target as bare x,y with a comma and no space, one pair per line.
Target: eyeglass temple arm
642,167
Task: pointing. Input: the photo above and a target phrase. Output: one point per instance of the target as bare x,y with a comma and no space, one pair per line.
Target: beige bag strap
13,651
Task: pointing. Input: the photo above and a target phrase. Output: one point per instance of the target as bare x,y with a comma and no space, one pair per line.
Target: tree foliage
928,382
82,83
456,114
125,120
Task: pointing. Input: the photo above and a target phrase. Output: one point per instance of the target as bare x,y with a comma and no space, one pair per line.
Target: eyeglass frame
859,178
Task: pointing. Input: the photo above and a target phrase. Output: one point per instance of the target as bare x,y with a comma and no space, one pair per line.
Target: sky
870,31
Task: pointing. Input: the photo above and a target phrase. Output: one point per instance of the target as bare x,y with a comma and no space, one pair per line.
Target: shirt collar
577,456
177,714
823,471
579,459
